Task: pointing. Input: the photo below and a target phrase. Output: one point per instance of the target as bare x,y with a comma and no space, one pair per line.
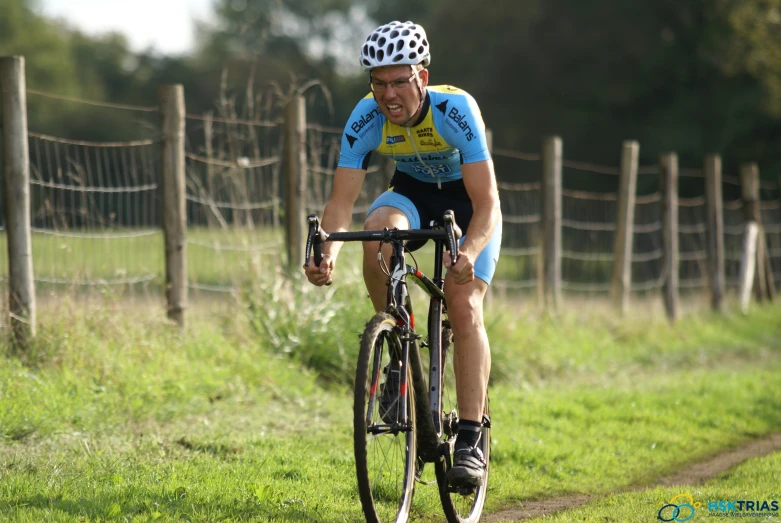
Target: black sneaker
468,467
389,397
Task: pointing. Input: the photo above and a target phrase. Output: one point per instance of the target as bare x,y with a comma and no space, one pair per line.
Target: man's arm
338,212
337,217
480,183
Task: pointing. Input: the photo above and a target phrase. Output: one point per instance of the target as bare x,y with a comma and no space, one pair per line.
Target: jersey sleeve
362,135
462,125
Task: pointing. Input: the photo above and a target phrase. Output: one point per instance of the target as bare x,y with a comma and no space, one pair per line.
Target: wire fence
96,211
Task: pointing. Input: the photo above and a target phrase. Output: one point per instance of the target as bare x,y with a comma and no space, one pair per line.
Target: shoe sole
457,478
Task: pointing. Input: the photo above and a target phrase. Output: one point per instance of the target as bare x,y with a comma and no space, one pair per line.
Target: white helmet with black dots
395,43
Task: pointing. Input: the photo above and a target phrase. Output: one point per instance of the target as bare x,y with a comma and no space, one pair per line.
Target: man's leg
376,284
373,277
472,355
472,365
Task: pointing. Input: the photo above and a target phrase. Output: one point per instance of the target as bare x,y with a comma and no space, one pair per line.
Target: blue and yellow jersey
449,133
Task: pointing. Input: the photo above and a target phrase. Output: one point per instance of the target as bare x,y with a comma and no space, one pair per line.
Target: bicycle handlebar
317,236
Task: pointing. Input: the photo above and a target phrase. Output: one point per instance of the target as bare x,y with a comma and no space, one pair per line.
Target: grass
756,480
597,437
115,415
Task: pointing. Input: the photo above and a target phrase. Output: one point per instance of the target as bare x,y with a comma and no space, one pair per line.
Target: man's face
397,93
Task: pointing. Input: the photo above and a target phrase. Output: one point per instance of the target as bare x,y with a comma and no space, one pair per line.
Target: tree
695,77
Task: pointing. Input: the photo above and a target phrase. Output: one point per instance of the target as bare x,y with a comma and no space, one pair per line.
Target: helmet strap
422,91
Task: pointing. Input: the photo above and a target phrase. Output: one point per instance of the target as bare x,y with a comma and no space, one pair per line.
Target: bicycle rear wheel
385,458
459,507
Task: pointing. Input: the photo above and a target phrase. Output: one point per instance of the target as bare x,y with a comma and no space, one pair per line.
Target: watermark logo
743,508
683,507
680,508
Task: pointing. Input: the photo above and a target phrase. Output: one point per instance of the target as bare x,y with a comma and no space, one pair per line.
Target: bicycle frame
398,296
399,305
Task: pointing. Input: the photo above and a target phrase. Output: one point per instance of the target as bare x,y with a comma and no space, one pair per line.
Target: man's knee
465,305
386,217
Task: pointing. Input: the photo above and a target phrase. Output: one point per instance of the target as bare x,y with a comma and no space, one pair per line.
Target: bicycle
394,436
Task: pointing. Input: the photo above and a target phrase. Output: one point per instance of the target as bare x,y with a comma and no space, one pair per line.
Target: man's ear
423,74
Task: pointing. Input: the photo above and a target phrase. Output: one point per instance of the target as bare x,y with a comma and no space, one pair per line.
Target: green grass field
116,415
756,480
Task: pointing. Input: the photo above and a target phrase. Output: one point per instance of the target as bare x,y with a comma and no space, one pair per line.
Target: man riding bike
436,136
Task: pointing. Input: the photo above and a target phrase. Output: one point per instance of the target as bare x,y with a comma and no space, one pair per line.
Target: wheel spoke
458,507
384,460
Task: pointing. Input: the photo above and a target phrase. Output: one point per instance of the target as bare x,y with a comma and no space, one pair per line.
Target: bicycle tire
459,508
385,462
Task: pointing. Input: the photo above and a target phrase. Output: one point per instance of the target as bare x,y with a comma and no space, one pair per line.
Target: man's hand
321,275
464,269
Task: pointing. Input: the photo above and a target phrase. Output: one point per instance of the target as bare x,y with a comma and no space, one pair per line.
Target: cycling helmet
395,43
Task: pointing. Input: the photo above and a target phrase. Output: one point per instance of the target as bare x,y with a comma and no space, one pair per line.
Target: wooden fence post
551,220
172,114
668,170
749,272
766,278
295,174
16,170
621,280
714,204
753,269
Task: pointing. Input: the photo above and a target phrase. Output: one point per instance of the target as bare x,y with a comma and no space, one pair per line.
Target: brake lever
453,232
314,226
315,239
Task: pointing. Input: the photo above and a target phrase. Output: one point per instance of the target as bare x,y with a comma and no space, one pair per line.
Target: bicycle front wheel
464,506
385,453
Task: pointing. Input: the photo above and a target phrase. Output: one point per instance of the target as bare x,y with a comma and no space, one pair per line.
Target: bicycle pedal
462,491
419,465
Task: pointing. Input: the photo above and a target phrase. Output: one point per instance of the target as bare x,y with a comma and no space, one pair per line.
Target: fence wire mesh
96,213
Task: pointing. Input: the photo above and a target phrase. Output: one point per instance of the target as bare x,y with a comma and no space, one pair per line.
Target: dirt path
693,475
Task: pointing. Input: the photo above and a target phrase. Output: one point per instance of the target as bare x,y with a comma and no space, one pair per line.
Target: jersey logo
442,107
365,119
390,140
432,169
462,123
431,142
425,158
351,139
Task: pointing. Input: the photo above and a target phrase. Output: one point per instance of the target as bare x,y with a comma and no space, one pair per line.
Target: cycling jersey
449,132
